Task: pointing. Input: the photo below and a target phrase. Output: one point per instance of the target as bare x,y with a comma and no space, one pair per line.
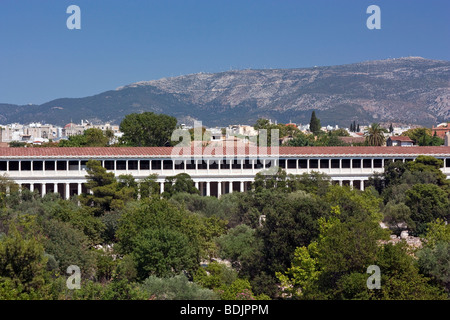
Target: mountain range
410,90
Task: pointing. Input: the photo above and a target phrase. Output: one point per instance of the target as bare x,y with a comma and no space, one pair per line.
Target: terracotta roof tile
141,152
401,138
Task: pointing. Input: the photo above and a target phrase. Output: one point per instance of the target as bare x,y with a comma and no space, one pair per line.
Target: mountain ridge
410,90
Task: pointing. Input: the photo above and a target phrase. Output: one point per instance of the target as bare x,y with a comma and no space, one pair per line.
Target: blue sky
122,42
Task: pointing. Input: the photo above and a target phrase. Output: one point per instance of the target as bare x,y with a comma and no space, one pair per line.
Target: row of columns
207,188
66,190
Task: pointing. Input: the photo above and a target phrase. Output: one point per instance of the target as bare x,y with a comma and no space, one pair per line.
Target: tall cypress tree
314,123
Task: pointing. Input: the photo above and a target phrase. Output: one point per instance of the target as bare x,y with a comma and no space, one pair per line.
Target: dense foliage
289,237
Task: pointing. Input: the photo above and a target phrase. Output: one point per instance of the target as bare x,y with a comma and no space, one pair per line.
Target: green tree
375,135
92,137
147,129
314,124
239,245
300,280
182,182
163,252
107,194
175,288
69,247
427,202
23,272
215,275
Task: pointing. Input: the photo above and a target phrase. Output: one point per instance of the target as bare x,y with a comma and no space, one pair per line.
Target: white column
351,184
162,187
139,186
67,195
44,189
219,189
242,186
208,188
340,183
55,188
230,186
31,187
196,185
361,185
79,188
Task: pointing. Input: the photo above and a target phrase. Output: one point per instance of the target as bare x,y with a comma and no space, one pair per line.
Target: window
258,164
109,164
303,163
3,165
313,164
38,165
356,163
367,163
14,166
121,165
292,164
202,165
282,163
156,164
324,164
61,165
247,164
346,163
269,163
133,164
144,164
214,164
179,165
236,164
190,164
378,163
25,166
224,164
167,164
49,165
73,165
335,164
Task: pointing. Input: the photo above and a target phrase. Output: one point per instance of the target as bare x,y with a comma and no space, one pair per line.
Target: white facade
63,169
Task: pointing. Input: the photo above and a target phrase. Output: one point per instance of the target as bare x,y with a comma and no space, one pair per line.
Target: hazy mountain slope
404,90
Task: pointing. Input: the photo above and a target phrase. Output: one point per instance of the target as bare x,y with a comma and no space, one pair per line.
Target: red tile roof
145,152
401,138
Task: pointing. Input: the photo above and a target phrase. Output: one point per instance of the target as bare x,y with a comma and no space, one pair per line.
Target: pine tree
314,123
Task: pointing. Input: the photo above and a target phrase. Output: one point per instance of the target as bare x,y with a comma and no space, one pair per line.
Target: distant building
243,130
399,141
352,140
447,139
441,130
31,133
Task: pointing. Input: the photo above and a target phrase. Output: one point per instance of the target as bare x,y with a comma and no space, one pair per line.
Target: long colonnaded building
215,171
